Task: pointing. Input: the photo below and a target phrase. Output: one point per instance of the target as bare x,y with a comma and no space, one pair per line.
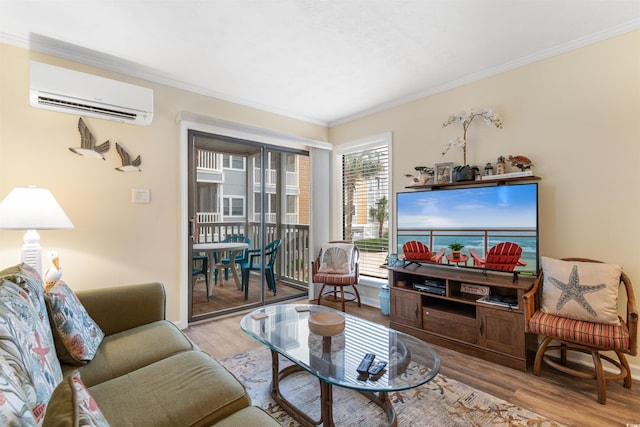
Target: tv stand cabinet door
502,331
406,307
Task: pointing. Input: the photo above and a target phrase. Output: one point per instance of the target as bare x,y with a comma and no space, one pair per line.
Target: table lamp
31,208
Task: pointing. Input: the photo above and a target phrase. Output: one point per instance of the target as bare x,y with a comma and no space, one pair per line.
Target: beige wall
114,241
576,115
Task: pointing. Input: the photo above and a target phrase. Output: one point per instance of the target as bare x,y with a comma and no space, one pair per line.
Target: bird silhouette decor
88,147
127,164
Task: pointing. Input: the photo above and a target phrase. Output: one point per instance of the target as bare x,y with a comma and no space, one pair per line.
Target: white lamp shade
32,208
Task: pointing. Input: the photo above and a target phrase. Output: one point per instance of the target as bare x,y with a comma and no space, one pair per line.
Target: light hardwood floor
567,400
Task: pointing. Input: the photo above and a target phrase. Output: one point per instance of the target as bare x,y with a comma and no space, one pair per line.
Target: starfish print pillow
577,290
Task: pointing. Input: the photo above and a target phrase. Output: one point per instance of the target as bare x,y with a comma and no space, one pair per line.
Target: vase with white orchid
466,117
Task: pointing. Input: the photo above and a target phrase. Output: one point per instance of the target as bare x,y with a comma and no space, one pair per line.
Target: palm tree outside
357,168
380,213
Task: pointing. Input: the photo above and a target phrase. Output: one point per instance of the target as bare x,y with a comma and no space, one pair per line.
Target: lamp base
31,250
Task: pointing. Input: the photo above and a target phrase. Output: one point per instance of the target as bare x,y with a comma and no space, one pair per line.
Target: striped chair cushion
600,335
334,279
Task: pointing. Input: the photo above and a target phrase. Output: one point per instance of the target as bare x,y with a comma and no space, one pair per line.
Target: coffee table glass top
410,361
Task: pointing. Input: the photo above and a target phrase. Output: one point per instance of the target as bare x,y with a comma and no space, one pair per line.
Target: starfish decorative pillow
577,290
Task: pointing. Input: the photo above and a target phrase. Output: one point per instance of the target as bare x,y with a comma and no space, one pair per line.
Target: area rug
443,402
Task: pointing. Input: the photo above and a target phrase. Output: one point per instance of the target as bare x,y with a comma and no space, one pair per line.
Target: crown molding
493,71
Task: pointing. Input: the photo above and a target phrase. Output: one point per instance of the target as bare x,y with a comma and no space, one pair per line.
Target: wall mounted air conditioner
73,92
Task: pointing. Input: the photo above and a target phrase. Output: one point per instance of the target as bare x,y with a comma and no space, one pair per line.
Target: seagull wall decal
127,164
88,147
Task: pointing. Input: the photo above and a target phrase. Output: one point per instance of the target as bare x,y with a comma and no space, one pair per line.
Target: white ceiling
317,60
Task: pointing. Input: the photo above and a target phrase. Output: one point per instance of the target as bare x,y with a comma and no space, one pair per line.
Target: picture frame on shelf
444,173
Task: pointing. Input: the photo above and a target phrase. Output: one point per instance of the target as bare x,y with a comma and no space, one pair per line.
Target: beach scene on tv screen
479,218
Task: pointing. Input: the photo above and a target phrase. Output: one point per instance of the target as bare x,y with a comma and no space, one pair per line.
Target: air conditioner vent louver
42,100
73,92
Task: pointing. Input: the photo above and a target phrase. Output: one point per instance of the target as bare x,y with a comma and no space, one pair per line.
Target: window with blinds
365,204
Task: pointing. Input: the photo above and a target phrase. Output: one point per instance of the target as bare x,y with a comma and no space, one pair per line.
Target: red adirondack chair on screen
418,251
503,256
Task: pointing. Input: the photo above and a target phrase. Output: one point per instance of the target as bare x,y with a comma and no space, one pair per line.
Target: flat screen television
478,218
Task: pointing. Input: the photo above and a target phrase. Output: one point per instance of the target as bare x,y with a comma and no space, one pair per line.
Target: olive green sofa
144,370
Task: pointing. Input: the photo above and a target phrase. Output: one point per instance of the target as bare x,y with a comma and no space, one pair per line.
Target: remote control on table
377,370
377,367
367,360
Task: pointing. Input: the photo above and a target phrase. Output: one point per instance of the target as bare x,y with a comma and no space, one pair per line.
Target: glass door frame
320,160
262,151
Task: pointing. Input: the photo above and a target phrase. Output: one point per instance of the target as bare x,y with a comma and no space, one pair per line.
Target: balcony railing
271,176
206,232
291,218
268,217
209,160
292,263
272,217
292,179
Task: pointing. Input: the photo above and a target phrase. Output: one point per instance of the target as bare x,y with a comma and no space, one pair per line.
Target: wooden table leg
326,398
291,409
382,400
326,404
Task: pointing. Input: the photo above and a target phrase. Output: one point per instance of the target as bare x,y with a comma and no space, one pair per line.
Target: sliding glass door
245,193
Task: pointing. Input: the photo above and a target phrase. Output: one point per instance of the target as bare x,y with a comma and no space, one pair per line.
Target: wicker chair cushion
334,279
600,335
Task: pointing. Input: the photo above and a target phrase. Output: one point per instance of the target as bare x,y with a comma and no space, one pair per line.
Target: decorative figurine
54,272
500,165
488,169
425,173
521,162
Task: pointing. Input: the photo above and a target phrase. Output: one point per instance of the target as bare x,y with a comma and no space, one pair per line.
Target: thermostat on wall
140,195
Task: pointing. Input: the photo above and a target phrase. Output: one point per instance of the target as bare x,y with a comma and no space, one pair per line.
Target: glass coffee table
284,329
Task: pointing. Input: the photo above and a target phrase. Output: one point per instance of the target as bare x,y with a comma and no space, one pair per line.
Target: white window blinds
365,204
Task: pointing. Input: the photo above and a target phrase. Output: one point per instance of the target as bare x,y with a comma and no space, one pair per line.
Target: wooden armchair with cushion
575,303
337,265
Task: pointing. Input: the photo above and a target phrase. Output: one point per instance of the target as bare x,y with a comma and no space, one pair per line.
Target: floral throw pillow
577,290
336,258
15,405
24,342
76,335
30,281
71,404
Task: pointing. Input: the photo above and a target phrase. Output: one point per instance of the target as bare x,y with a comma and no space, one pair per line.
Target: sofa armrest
120,308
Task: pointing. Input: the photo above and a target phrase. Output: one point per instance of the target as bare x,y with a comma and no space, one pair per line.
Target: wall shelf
482,183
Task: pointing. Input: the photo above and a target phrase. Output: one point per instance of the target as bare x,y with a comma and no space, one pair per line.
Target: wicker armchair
338,280
585,337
